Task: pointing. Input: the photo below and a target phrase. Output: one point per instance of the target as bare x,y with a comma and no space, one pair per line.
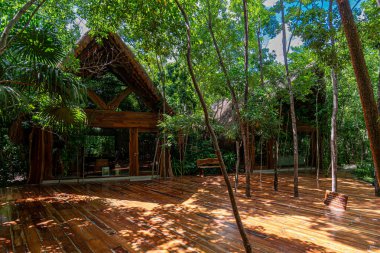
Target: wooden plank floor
188,214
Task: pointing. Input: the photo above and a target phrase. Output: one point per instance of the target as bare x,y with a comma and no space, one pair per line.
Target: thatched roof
111,54
223,112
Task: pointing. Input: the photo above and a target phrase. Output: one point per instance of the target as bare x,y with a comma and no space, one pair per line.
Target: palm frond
60,117
38,45
9,97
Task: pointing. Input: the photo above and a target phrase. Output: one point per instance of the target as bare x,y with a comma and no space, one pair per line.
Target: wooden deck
189,214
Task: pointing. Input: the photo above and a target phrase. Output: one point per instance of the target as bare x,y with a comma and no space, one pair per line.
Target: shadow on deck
188,214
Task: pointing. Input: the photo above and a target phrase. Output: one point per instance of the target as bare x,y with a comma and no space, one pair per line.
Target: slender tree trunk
333,145
5,35
275,176
317,134
247,158
260,55
291,97
378,3
237,165
214,139
235,103
377,186
334,78
371,113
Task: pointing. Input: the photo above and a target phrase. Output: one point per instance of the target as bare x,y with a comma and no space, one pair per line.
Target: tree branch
11,24
28,22
4,82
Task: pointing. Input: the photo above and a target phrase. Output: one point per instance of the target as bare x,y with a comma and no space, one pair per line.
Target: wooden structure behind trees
96,59
113,55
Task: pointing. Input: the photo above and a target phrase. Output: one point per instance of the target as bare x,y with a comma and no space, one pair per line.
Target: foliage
13,165
37,72
365,171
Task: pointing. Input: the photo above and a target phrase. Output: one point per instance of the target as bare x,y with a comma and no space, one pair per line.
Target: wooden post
40,155
134,167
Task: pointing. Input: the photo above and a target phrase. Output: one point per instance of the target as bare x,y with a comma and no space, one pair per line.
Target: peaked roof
111,54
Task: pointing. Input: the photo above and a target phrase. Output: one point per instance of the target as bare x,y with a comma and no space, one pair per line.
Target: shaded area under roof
111,54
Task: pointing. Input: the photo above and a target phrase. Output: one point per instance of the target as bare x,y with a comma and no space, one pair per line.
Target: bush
365,171
13,161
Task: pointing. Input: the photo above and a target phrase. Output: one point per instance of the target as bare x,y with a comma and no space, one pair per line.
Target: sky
275,44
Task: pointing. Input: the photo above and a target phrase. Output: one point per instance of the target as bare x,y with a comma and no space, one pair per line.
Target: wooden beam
134,166
112,119
114,104
97,100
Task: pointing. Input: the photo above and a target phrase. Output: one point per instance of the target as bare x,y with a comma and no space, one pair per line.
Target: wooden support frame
98,101
145,121
113,104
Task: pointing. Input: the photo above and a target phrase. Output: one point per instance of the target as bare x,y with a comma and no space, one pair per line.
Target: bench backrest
207,161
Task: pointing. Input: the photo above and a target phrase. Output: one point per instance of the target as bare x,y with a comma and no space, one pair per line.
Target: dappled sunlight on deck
187,214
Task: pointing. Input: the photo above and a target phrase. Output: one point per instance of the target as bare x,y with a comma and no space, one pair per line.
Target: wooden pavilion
111,55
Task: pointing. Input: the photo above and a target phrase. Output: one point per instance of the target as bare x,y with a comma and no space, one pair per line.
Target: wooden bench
207,163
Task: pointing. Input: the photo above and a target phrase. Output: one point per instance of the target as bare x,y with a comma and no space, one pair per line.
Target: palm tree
31,81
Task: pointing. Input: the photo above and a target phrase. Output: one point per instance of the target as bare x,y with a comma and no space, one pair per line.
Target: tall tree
291,98
376,183
247,158
243,234
334,79
367,98
235,103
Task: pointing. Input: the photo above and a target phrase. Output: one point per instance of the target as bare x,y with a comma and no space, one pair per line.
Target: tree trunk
333,136
333,145
377,186
291,97
247,158
235,103
317,136
5,35
214,139
363,80
275,174
237,165
260,55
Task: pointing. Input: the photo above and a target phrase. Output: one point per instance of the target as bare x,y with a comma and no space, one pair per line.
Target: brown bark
214,139
270,158
291,97
333,136
40,155
371,113
235,103
134,166
247,158
376,184
237,165
317,137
